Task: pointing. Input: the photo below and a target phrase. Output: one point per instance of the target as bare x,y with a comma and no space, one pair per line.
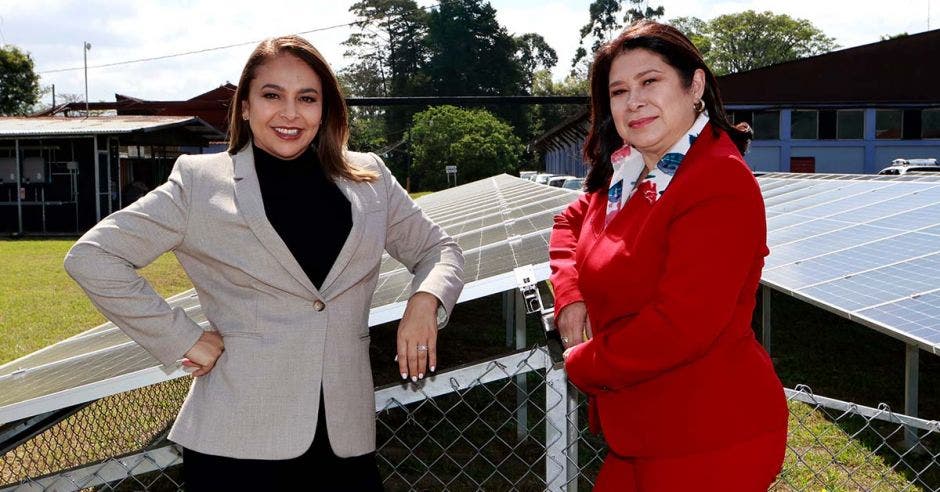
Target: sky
53,32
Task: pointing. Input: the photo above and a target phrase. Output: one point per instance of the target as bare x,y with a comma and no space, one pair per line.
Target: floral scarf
628,165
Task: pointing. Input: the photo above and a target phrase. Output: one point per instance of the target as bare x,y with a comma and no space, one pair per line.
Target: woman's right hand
204,353
572,323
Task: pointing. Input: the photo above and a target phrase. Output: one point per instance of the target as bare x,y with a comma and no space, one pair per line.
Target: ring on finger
564,340
422,347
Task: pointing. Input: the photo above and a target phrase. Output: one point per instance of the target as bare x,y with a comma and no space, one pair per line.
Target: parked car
899,170
527,174
557,181
915,162
576,184
542,178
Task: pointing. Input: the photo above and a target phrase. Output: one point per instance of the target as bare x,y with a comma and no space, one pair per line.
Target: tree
474,140
604,23
533,54
888,37
696,30
641,10
456,49
471,54
744,41
19,84
390,59
547,116
388,49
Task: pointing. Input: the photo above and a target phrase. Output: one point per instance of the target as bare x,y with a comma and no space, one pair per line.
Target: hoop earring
699,106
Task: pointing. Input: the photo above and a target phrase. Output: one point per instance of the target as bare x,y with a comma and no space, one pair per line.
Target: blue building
848,111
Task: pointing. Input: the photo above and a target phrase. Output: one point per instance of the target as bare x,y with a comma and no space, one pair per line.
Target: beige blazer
283,337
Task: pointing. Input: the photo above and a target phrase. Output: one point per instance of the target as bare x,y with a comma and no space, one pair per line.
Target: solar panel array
865,247
500,223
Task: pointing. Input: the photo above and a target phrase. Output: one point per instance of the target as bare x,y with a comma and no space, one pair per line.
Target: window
910,124
804,125
766,125
888,124
827,125
850,124
930,123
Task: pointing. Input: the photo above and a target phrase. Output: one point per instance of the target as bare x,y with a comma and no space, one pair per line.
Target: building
848,111
62,175
211,107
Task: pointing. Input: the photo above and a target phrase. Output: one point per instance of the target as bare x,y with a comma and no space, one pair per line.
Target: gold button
318,305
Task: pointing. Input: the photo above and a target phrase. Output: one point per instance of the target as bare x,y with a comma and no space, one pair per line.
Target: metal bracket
532,298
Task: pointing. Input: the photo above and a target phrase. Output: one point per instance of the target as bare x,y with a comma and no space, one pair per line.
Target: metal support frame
557,438
514,315
97,180
522,388
765,296
19,186
509,316
911,379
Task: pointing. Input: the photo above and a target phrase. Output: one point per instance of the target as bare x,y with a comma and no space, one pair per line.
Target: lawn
40,305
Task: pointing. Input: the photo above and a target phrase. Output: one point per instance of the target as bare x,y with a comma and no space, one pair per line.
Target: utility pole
85,47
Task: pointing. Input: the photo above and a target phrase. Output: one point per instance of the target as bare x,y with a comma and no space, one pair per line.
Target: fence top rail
804,394
399,394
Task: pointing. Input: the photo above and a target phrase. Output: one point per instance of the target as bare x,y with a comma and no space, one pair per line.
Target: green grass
40,304
830,459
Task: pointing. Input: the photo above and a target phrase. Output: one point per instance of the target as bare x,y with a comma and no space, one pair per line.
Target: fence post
571,439
556,426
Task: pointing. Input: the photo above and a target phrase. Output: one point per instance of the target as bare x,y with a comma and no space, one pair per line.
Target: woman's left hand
417,337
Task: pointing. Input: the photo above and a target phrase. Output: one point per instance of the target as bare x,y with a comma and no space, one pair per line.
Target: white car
914,162
557,181
899,170
542,178
576,184
527,174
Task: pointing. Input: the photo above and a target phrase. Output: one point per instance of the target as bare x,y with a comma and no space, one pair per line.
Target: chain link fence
511,423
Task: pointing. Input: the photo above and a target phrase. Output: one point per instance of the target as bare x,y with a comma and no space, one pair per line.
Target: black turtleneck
307,210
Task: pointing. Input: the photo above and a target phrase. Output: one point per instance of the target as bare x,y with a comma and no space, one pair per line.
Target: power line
194,52
206,50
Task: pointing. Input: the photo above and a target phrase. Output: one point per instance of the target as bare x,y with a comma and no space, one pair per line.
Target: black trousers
317,469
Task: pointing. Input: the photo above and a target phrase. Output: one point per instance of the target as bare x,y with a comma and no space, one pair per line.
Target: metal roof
99,125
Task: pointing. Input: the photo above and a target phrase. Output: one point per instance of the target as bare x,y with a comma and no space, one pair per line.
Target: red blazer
670,287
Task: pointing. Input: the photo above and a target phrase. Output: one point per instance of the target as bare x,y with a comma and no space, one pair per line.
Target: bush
478,143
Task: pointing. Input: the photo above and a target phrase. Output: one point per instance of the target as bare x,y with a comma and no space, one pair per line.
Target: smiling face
284,106
649,103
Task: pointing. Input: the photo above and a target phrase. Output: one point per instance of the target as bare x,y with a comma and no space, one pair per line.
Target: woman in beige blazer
282,237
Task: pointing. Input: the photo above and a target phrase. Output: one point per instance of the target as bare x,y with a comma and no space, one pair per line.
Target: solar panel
865,247
916,316
501,223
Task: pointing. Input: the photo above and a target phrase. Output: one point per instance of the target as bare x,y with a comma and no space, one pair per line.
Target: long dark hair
678,52
333,134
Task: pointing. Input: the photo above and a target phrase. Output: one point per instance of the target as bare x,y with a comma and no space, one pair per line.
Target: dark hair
678,52
334,131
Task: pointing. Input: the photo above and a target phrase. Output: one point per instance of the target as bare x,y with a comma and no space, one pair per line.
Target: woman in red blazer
655,271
